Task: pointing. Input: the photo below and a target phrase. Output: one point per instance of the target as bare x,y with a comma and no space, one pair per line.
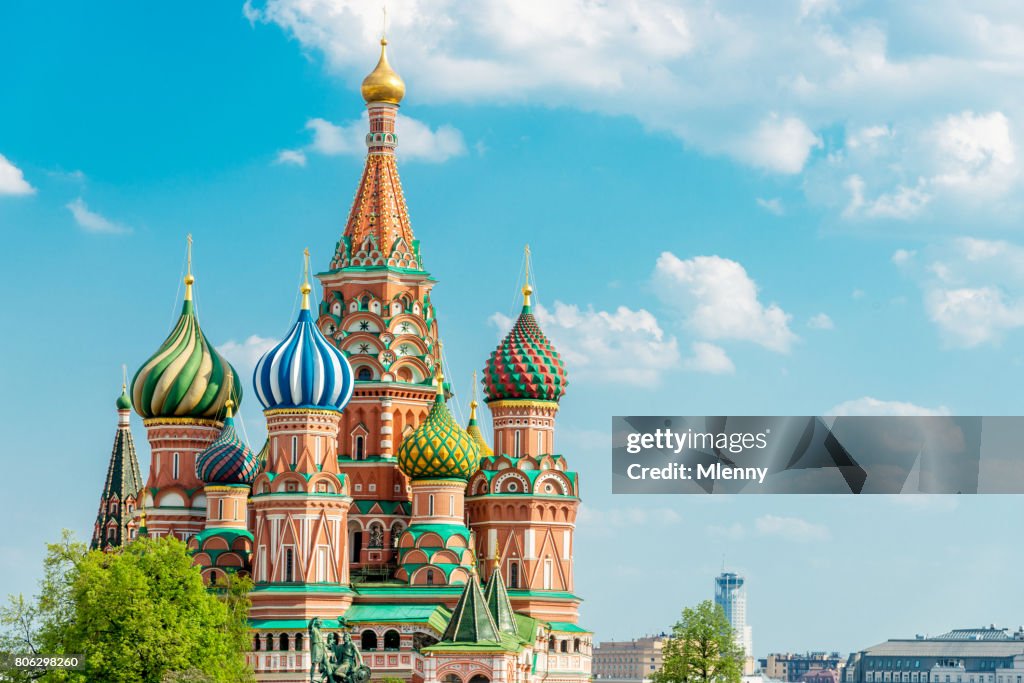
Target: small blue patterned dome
305,370
227,460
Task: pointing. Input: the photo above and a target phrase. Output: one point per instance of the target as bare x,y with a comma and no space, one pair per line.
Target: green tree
701,649
142,614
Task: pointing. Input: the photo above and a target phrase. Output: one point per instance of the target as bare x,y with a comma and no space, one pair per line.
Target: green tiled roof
445,531
228,535
498,604
566,627
471,621
435,616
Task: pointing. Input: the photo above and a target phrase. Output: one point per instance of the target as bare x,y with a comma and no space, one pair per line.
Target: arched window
289,565
396,533
517,443
283,642
295,450
364,303
430,505
360,447
564,646
368,641
430,577
513,575
376,535
298,642
392,640
270,642
174,466
220,509
364,374
575,644
256,643
551,643
479,678
113,507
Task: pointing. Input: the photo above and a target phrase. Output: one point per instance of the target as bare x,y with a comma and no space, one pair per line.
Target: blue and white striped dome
304,371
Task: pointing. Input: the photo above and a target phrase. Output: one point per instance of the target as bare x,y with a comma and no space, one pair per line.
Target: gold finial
473,404
527,289
188,273
305,288
495,557
229,408
438,373
124,378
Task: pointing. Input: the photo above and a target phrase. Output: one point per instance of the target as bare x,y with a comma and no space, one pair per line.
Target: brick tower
376,307
180,393
523,502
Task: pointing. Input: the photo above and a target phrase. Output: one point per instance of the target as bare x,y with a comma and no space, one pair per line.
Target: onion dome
305,370
186,377
525,365
473,429
227,460
439,448
123,402
383,84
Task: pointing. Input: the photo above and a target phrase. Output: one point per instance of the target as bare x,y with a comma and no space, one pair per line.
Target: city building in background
731,596
628,660
981,655
793,666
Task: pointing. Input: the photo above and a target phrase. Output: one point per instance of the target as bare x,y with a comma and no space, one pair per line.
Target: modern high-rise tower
731,596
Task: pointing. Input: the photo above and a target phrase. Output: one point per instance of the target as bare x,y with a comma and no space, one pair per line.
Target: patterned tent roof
439,448
227,460
498,604
471,621
186,377
525,365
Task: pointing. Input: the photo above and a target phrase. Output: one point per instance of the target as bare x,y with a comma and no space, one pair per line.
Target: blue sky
731,211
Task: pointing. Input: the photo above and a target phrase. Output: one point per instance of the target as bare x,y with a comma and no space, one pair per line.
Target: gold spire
473,404
527,289
305,288
383,84
188,273
229,408
495,557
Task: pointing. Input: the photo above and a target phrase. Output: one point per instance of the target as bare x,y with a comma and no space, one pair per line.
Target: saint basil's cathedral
448,561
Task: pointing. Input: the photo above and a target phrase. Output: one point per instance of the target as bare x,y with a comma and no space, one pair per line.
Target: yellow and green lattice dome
439,448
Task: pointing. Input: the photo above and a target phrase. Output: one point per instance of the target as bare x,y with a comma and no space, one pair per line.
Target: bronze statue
333,659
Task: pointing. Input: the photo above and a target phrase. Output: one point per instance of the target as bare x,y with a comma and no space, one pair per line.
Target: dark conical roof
471,621
123,483
498,604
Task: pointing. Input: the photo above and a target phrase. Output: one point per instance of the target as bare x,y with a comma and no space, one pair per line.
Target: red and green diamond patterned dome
525,366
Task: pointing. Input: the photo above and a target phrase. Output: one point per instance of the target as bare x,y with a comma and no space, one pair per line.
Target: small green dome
186,377
123,402
439,448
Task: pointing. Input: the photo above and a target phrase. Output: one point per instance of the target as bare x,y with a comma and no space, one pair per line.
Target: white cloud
293,157
416,140
778,144
12,180
724,83
90,221
821,321
772,206
624,345
720,301
791,528
709,358
901,256
245,354
869,406
973,289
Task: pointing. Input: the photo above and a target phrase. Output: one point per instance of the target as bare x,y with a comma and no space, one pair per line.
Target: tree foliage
701,649
142,614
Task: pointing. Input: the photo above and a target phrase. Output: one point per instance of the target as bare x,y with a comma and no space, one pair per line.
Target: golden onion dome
383,84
